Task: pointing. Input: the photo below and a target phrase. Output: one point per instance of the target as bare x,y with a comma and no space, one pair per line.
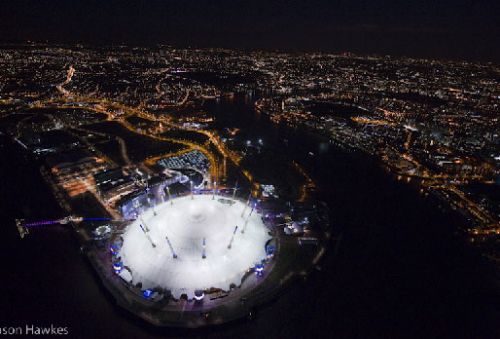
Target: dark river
401,269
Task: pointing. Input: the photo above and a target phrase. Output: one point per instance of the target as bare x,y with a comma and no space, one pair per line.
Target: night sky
458,29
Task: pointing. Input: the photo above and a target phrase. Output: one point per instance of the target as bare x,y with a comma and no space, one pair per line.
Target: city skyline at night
446,29
249,169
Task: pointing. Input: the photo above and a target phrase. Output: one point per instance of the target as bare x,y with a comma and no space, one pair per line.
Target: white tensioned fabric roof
186,223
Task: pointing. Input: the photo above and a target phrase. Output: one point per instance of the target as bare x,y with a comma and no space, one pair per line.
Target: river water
401,268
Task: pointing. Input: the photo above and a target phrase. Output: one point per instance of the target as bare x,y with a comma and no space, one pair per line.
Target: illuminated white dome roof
187,223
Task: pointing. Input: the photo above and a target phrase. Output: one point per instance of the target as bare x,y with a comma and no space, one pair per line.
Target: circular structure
102,232
194,243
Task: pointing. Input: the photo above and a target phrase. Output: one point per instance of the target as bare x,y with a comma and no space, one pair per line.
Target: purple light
42,223
53,222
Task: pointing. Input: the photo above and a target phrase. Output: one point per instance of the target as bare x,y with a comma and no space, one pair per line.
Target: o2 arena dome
194,243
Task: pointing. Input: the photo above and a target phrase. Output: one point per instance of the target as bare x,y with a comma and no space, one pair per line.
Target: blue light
117,266
96,219
114,248
259,267
147,294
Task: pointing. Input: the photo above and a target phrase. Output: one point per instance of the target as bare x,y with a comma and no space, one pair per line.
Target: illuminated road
109,109
119,113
